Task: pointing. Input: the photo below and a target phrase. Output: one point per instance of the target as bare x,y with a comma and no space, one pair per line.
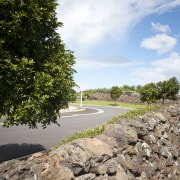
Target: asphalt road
20,141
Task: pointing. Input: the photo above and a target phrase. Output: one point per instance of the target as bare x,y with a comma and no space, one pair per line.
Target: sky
121,42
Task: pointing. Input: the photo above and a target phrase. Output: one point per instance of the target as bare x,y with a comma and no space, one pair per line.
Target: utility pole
81,99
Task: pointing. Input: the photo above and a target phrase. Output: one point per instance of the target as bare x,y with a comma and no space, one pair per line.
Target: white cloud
167,5
168,65
159,70
161,43
157,27
106,61
89,22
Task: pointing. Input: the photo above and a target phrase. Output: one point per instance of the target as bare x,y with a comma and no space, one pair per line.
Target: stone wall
145,148
104,96
127,97
130,97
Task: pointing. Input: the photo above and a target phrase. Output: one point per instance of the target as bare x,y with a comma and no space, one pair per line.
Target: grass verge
112,103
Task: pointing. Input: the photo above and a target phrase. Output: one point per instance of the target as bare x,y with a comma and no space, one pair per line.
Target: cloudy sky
118,42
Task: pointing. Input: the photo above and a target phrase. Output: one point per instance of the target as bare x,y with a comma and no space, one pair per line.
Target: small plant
91,132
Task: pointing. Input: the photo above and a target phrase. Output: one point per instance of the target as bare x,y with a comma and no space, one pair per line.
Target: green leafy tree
36,71
88,93
149,93
168,89
115,92
128,88
138,87
72,95
173,85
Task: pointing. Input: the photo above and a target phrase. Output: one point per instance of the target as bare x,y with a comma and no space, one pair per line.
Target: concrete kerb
72,109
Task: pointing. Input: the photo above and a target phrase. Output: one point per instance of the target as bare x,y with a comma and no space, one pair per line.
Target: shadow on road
11,151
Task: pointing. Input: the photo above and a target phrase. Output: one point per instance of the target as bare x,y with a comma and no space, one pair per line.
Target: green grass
133,114
112,103
137,110
91,132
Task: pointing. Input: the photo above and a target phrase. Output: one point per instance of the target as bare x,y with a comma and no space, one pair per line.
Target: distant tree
102,90
168,89
149,93
125,87
36,71
163,90
72,95
115,92
88,93
138,87
128,88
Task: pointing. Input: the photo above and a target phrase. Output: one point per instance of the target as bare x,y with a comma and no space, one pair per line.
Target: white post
81,99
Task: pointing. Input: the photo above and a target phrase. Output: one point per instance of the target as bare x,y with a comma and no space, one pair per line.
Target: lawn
112,103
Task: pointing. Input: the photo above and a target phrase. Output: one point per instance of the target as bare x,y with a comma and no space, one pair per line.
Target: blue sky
118,43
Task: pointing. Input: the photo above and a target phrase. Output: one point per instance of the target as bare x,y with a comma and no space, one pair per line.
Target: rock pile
102,95
127,97
145,148
130,97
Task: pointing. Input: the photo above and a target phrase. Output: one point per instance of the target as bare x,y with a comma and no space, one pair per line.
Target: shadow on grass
12,151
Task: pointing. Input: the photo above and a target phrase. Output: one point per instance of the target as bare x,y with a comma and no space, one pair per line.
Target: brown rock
95,146
89,176
75,156
121,174
110,141
99,169
61,173
122,133
131,150
111,166
131,164
160,117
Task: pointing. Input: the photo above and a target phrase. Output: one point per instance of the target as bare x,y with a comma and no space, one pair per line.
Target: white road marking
74,115
1,123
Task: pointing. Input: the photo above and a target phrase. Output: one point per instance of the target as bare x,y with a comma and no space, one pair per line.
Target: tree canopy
152,92
36,70
115,92
149,93
168,89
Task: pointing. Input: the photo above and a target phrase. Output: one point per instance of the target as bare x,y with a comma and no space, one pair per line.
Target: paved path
20,141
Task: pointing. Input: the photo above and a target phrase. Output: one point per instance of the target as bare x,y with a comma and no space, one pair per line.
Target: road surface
20,141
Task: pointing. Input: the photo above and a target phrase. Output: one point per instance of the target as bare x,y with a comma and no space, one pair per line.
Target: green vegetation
168,89
149,93
36,71
129,88
115,92
152,92
91,132
111,103
134,113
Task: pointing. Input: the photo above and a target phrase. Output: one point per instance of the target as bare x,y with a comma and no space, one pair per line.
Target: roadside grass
112,103
137,111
